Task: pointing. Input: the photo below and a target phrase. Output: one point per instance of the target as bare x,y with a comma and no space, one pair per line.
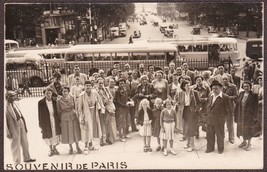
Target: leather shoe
208,151
220,151
30,160
232,141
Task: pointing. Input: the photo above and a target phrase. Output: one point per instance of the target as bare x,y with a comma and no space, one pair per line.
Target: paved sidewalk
131,152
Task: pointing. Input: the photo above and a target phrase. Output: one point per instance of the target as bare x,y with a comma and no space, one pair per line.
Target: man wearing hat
218,109
16,130
222,73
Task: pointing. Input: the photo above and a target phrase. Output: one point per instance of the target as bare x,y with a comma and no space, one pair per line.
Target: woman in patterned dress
122,109
203,92
49,121
246,114
69,122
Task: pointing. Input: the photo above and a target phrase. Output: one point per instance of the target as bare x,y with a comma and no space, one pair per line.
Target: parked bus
254,48
32,64
200,50
11,45
105,55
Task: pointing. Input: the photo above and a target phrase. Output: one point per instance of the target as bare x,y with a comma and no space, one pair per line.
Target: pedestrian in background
246,114
144,118
156,122
168,126
16,130
49,121
56,86
69,122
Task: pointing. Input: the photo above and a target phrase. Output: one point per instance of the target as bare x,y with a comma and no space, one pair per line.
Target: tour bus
254,48
105,55
11,45
51,55
32,64
204,51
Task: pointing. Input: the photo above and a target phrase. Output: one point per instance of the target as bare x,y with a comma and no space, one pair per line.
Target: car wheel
36,82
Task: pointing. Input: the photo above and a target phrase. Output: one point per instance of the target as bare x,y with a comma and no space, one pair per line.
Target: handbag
255,129
198,105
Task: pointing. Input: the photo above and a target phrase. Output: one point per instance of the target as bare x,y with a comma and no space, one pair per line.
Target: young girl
156,121
144,119
168,126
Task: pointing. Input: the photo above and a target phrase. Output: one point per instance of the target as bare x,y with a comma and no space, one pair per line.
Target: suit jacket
194,100
131,89
218,111
13,127
149,90
140,118
44,119
236,80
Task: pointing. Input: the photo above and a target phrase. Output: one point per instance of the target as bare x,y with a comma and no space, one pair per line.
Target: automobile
122,26
143,22
195,31
115,31
123,32
230,33
162,27
168,32
137,34
155,23
31,64
211,29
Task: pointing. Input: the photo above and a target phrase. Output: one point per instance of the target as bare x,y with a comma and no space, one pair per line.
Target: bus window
156,56
181,48
199,48
121,56
88,57
170,57
104,57
254,48
79,57
138,56
70,57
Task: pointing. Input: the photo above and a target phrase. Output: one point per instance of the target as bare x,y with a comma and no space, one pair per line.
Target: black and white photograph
133,86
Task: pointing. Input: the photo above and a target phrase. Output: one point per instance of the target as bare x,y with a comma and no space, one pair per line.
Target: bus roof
254,40
9,41
43,51
193,41
23,57
122,48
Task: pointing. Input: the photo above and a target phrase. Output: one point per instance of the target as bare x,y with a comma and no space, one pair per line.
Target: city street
132,153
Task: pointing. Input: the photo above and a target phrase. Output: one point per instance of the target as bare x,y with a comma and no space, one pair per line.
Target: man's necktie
16,112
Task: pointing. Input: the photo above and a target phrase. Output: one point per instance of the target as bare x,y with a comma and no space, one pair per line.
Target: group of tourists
164,104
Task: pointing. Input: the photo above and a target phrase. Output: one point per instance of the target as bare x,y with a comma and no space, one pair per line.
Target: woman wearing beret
246,114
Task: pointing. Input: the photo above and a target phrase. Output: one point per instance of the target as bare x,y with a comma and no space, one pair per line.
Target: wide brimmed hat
215,82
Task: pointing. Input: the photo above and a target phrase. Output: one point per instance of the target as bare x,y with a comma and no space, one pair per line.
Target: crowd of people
164,104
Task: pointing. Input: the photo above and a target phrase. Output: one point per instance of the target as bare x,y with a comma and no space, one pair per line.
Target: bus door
213,53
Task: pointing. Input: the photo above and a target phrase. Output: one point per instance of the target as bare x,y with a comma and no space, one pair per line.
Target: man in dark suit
218,109
230,90
131,86
16,130
236,79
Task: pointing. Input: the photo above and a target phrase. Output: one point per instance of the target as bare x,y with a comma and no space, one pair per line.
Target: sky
147,6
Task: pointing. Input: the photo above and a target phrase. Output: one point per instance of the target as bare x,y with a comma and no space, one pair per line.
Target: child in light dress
168,126
144,118
156,122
